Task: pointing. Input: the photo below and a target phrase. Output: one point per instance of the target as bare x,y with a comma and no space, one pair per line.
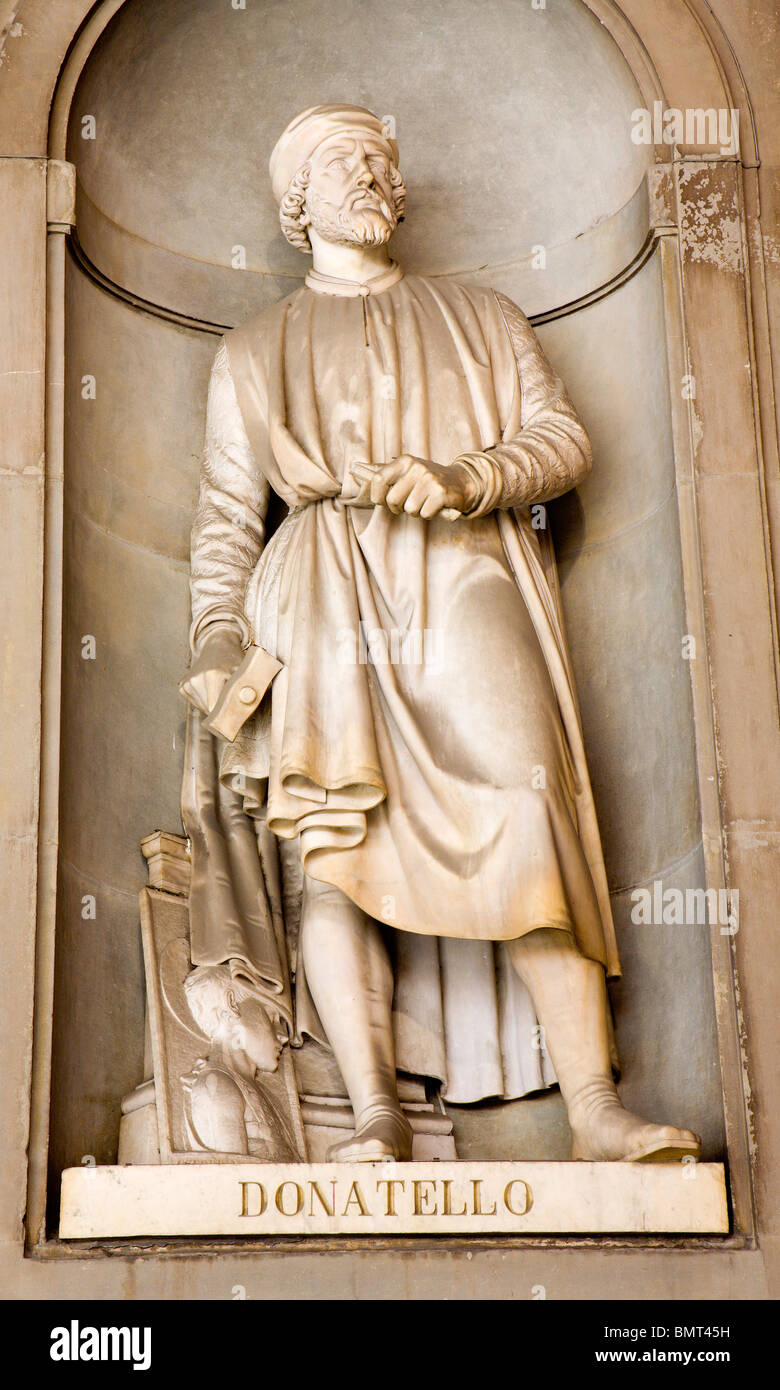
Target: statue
383,731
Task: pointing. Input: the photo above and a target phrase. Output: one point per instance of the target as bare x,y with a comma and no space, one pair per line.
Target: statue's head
230,1012
335,169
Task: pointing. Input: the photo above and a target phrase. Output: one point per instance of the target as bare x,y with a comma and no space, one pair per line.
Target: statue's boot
380,1134
570,997
350,977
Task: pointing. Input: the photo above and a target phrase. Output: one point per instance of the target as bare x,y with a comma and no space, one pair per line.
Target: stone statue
382,692
227,1109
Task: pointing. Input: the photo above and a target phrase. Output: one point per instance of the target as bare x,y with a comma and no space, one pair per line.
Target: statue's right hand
215,663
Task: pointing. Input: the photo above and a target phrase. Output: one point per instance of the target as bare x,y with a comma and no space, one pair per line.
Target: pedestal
435,1198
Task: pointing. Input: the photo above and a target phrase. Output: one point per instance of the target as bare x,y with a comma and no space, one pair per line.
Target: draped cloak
421,745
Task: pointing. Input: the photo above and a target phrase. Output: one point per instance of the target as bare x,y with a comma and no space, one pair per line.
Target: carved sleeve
229,528
551,453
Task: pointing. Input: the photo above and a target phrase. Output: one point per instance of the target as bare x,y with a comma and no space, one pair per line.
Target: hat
308,131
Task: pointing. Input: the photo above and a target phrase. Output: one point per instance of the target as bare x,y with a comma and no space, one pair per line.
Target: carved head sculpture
231,1013
335,168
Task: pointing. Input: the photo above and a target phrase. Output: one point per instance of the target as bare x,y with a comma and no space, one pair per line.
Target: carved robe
421,743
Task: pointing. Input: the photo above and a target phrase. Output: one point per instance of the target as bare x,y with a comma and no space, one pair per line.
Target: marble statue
383,734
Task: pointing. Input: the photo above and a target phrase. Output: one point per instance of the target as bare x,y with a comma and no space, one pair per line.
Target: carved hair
291,208
208,989
292,205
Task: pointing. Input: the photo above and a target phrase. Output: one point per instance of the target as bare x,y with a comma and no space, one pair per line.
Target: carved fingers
417,486
204,689
216,661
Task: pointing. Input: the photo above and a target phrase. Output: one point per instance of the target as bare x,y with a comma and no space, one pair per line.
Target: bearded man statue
384,688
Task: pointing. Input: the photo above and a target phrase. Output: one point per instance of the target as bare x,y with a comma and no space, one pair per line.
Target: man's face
261,1037
349,199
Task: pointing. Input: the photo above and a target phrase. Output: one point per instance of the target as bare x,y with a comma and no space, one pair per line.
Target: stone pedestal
446,1199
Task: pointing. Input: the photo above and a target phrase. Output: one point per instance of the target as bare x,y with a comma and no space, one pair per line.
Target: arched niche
515,135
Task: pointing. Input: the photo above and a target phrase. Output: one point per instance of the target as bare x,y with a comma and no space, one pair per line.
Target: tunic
421,743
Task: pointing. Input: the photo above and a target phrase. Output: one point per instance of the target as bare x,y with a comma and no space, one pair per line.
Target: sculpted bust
227,1109
430,807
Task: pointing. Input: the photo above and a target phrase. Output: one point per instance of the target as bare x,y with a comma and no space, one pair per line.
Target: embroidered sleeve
551,453
229,528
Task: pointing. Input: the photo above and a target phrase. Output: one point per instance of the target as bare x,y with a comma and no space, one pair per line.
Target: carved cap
303,135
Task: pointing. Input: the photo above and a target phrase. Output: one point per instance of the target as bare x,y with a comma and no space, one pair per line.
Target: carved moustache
364,200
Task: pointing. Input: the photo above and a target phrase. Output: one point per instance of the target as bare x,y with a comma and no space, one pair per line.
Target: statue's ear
231,1003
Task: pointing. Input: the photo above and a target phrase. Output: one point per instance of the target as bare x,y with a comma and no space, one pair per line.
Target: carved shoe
387,1134
604,1131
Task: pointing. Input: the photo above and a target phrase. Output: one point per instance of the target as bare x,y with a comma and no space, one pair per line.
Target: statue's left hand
220,654
418,487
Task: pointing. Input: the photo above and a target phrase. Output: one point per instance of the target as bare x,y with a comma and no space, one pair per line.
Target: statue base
430,1198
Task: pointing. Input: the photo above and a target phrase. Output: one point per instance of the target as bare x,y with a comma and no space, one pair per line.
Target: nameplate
437,1198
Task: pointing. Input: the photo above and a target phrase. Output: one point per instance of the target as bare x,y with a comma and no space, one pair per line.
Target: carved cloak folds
421,743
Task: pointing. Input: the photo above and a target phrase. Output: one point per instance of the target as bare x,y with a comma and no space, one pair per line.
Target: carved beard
371,223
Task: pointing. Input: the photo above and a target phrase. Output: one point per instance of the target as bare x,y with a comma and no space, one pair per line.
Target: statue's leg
350,976
569,995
